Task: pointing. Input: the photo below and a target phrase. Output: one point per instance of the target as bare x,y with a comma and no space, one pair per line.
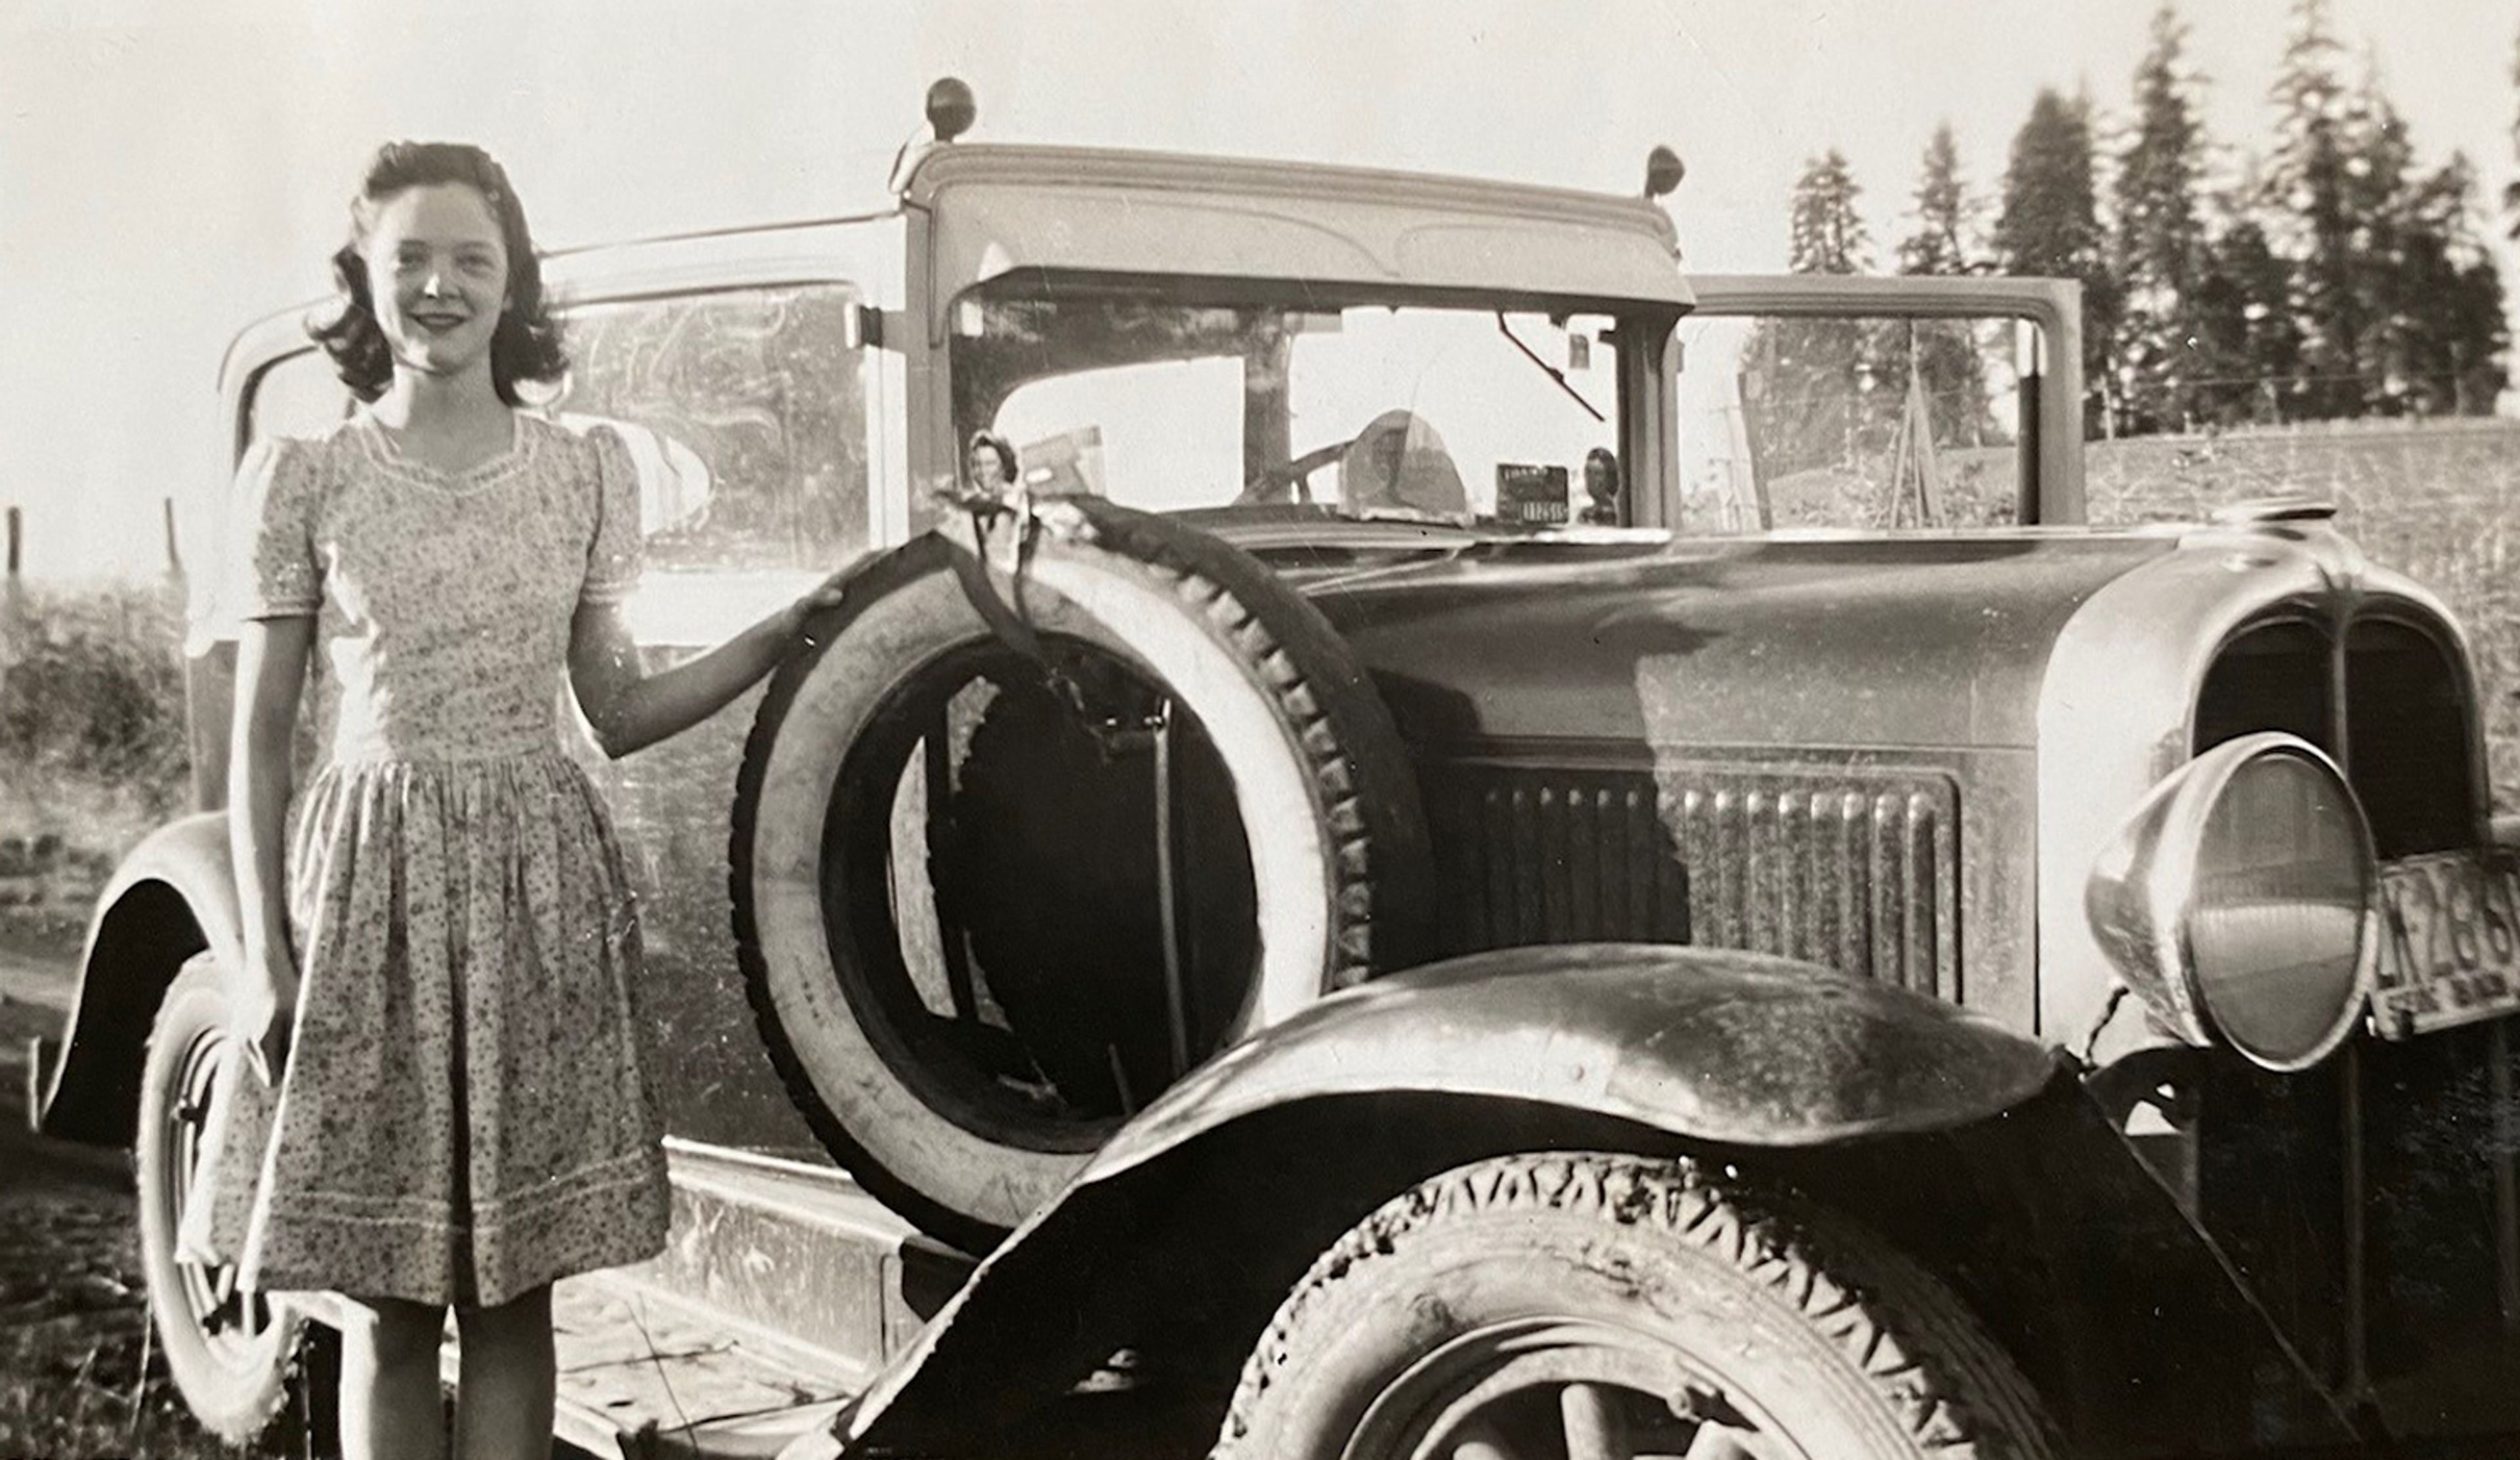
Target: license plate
2450,942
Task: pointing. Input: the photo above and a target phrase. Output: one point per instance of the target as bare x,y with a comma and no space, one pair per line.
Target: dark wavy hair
524,346
1005,451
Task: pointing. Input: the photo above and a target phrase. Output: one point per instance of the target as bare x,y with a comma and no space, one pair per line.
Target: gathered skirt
462,1116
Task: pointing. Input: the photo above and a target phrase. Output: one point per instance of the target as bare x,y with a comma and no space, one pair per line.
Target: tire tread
1919,1348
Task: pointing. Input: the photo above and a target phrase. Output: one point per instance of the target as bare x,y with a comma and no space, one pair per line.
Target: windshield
1850,422
1454,411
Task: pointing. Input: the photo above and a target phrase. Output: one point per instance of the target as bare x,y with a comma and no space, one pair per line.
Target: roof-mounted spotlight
951,110
1663,171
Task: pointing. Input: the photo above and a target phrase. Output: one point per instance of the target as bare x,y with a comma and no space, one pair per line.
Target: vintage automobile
1496,851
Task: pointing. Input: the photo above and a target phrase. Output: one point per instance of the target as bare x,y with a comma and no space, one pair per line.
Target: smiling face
986,469
437,278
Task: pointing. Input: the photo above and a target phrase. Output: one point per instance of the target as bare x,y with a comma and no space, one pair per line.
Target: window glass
1459,411
298,396
745,412
1792,422
1169,433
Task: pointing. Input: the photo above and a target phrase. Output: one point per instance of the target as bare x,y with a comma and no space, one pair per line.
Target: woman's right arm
271,671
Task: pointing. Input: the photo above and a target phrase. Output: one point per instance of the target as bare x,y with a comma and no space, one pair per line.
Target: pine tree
2385,201
1811,373
2311,215
2160,245
1828,234
2511,190
1943,351
2248,344
2050,222
1943,211
2447,329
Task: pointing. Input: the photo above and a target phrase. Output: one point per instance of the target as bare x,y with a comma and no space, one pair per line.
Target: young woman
990,461
1601,506
441,1104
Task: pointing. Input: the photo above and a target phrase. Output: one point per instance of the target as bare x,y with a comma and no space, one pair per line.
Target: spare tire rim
983,1059
1564,1386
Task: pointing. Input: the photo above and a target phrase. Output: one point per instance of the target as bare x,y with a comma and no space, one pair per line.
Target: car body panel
1721,1048
1712,1044
2116,711
172,897
2014,1145
1931,641
997,210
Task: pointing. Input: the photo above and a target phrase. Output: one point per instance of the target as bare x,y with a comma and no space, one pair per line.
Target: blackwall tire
231,1360
1340,870
1513,1296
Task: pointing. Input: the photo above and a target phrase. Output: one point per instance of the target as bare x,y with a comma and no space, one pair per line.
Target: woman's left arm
627,707
630,709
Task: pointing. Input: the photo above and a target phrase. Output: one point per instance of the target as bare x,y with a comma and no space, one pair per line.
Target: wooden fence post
13,595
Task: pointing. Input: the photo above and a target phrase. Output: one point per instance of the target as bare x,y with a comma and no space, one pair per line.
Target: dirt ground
77,1375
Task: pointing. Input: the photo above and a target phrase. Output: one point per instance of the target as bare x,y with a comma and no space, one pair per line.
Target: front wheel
228,1349
1601,1308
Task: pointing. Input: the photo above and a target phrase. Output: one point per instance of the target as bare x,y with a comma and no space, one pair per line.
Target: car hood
1926,640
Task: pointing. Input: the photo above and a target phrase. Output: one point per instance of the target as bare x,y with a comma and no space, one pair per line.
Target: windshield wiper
1546,369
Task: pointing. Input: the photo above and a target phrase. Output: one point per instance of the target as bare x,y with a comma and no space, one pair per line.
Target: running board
781,1292
799,1253
644,1377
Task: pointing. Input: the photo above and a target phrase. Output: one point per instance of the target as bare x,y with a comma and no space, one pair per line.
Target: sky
172,170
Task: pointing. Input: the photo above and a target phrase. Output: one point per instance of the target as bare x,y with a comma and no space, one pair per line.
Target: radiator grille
1856,870
2406,720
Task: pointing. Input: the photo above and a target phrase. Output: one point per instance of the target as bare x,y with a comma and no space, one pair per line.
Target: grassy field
92,746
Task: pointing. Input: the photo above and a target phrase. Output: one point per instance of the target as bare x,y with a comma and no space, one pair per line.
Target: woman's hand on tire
822,598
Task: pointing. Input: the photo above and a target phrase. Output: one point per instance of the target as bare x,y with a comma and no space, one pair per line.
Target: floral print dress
462,1116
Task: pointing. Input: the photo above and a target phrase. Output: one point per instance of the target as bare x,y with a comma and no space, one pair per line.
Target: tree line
2330,276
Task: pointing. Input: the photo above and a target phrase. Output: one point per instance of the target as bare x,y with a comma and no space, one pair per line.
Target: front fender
1714,1045
1519,1049
171,898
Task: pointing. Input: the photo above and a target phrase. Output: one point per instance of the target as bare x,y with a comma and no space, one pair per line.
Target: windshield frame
1640,337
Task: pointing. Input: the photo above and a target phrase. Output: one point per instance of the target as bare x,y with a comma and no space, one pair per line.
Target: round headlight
2238,900
2277,928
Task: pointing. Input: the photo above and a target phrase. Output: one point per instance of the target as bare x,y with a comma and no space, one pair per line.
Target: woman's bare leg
503,1393
390,1404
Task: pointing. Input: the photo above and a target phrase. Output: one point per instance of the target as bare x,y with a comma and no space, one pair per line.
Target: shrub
92,693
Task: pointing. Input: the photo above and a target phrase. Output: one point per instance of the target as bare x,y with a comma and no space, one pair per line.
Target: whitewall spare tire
995,888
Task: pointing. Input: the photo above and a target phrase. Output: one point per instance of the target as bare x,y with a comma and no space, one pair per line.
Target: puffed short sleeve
273,570
618,551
